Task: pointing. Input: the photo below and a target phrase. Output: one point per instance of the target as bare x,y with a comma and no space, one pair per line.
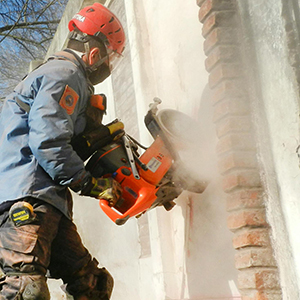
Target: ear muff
99,101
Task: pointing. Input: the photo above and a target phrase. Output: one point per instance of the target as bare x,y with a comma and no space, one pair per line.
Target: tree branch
25,25
45,8
25,47
18,38
19,17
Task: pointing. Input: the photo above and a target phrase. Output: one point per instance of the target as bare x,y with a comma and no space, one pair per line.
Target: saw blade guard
177,129
178,132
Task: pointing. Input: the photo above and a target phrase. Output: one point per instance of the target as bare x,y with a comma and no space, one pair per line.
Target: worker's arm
89,141
51,121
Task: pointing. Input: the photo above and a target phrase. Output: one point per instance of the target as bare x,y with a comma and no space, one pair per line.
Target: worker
38,164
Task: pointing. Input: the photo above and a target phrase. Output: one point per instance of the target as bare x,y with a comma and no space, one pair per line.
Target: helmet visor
114,59
108,61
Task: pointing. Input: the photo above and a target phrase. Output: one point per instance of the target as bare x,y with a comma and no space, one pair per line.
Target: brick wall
258,277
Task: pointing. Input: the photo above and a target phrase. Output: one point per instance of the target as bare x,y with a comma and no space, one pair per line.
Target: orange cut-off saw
154,178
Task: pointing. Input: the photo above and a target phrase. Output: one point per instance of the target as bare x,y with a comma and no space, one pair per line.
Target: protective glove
108,133
103,188
116,129
89,142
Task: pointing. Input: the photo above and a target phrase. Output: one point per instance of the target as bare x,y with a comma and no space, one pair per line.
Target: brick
245,199
241,180
227,89
200,2
247,218
209,6
262,295
254,257
236,142
258,237
220,36
234,124
224,71
259,278
223,53
218,18
236,160
230,107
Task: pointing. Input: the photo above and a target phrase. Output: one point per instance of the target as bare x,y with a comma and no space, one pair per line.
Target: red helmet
97,20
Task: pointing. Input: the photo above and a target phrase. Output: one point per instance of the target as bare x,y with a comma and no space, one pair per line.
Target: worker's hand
103,188
106,133
88,142
116,129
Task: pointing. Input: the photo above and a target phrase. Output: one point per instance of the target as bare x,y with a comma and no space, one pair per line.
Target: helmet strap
80,54
87,49
99,71
78,36
99,62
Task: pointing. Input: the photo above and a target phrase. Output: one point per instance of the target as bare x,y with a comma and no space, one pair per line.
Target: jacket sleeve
51,127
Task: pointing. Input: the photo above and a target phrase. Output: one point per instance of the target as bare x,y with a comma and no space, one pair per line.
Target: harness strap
64,55
67,54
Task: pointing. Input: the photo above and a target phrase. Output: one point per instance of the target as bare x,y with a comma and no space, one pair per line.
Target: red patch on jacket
68,100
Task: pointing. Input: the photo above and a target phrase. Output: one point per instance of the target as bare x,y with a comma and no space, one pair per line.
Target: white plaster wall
277,119
191,250
168,62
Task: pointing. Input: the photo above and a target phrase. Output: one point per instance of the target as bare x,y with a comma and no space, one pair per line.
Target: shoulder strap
70,56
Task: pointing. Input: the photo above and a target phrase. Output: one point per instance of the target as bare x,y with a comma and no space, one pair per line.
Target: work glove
103,188
116,129
89,142
110,132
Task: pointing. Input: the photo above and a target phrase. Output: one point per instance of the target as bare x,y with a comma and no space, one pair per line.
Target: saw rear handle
140,185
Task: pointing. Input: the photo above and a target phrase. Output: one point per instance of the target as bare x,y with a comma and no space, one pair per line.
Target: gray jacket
36,157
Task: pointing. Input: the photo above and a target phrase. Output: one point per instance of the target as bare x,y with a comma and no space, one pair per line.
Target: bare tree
26,30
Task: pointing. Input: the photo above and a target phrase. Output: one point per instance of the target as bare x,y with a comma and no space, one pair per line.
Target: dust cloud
194,146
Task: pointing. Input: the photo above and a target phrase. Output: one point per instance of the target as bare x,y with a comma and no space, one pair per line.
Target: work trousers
49,243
